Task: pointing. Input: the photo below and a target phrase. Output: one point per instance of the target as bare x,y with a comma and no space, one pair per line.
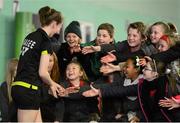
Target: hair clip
168,71
137,61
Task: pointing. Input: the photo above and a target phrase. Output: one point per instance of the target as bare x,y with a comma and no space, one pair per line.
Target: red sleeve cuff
177,97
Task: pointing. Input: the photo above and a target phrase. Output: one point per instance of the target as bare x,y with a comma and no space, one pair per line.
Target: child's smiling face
149,73
103,37
162,45
73,72
134,37
130,70
72,39
156,33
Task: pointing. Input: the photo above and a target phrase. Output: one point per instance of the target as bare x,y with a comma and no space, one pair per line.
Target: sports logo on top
28,44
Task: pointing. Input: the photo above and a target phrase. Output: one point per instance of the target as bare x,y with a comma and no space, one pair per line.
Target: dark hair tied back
47,15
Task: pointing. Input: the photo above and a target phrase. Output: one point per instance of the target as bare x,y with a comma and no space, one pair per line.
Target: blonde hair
10,75
160,68
165,27
173,28
84,76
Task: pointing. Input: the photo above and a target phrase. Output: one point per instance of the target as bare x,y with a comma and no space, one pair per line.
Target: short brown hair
107,26
165,26
140,28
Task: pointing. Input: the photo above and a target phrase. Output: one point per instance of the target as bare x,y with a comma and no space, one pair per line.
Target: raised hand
90,49
72,90
170,103
109,68
68,91
91,93
108,58
143,61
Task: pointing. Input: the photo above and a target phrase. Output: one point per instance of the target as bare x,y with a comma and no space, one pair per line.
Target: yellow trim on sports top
24,84
45,52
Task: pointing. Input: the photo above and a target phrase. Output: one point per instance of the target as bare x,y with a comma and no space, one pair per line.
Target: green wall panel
23,26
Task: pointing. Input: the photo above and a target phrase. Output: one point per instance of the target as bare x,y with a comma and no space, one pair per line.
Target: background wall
117,12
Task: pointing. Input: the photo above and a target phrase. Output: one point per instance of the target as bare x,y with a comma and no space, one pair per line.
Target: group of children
134,80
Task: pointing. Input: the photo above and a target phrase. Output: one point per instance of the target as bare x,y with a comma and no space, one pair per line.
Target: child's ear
156,74
81,73
144,38
80,40
112,39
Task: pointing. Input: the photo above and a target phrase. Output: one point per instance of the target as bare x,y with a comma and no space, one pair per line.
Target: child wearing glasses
155,83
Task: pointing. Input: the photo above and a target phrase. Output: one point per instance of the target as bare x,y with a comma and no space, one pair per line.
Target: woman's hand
56,89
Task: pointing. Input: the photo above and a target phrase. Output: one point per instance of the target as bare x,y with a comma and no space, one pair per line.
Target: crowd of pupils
135,80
